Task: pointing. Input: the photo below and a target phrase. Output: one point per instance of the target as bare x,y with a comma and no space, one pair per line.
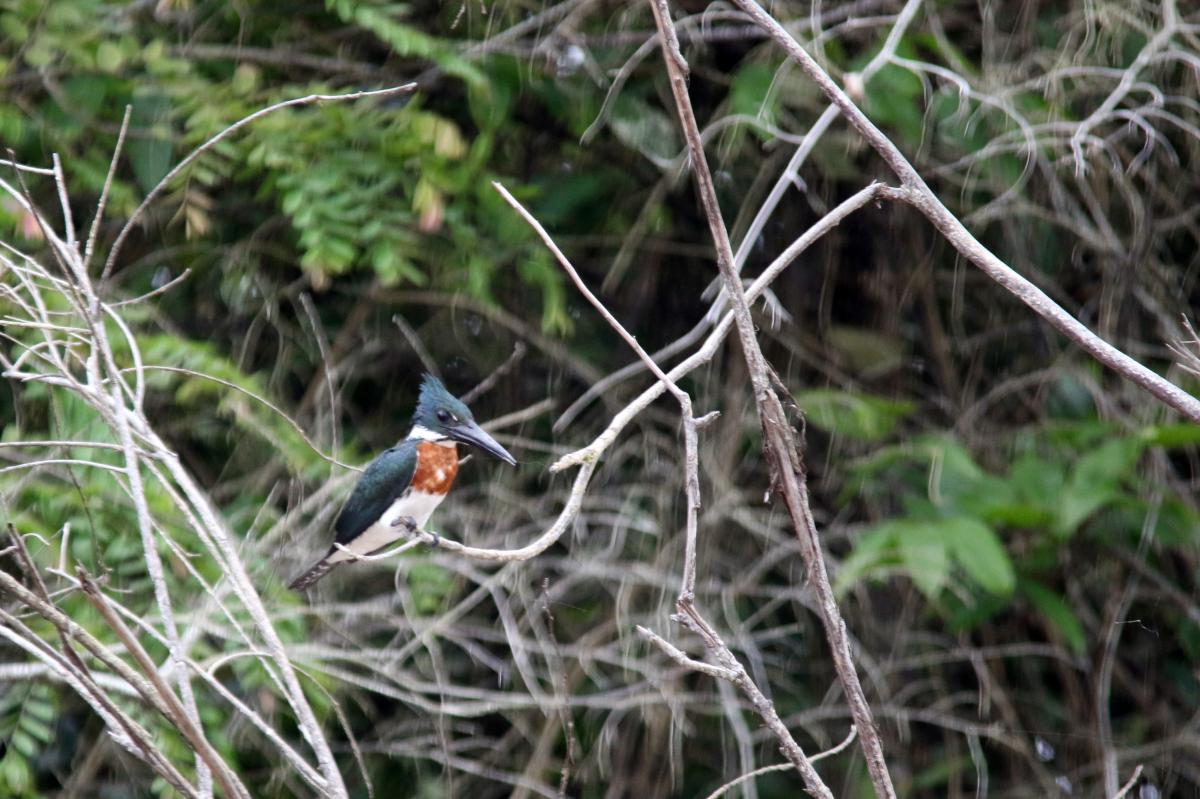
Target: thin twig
1128,786
418,346
263,401
500,371
76,672
849,739
916,193
779,444
60,181
328,368
730,668
90,247
691,456
180,716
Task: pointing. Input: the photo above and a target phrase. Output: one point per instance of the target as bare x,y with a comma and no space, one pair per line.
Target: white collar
419,433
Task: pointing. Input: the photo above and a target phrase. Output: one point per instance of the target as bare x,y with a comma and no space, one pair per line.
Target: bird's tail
318,570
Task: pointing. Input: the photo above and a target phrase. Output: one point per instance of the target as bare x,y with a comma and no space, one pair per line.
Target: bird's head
441,416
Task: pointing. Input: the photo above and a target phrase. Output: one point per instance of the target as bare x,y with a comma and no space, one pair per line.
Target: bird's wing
384,481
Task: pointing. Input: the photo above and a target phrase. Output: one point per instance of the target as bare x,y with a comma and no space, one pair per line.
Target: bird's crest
435,397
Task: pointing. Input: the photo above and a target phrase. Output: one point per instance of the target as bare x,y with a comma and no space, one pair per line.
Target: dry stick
178,714
39,601
782,261
294,758
130,735
1128,786
112,408
90,247
729,668
328,370
60,181
685,402
787,475
262,401
813,135
916,193
87,687
519,416
500,371
235,570
418,346
154,565
128,421
119,416
849,739
241,123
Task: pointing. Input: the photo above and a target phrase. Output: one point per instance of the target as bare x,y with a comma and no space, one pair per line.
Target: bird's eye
443,416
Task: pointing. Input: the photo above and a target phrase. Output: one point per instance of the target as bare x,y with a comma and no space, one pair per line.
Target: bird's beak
471,433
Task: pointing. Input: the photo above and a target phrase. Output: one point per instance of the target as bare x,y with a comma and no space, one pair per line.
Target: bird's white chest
417,504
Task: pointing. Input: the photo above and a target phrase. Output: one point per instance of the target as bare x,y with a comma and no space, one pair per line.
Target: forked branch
783,458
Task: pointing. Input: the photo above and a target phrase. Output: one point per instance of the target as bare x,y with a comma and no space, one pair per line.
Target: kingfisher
407,481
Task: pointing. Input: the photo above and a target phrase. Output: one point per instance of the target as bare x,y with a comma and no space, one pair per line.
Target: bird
406,482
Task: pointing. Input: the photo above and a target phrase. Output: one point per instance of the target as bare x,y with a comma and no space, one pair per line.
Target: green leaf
893,99
24,743
109,57
1094,481
925,555
868,353
751,94
1108,463
645,128
872,551
15,772
1058,613
1037,481
855,415
430,585
981,554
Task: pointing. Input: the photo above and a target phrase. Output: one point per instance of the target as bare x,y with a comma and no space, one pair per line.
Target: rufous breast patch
437,466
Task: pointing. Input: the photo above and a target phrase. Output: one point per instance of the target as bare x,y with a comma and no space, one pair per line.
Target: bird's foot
434,539
407,522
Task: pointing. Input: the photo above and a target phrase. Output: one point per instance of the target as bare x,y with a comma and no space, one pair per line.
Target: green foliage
380,18
388,190
927,550
27,716
646,128
1056,611
210,381
852,414
894,98
1063,479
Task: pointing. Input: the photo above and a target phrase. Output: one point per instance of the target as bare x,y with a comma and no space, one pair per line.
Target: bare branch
915,192
185,719
98,219
1129,785
779,444
849,739
500,371
730,669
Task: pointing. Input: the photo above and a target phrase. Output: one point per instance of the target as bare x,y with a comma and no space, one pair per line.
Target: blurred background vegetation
1012,529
